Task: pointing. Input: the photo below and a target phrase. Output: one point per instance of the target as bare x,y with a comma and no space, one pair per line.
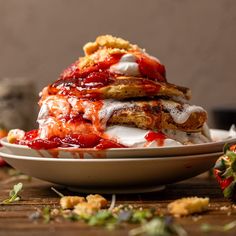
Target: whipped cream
126,66
135,137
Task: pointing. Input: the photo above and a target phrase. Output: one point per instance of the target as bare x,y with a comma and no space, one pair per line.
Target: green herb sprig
159,227
14,194
224,228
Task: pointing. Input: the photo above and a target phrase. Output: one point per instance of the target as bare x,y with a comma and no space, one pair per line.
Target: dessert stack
117,95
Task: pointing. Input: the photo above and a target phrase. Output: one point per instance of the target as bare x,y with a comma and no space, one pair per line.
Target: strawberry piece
97,79
31,135
73,71
225,172
81,140
43,144
224,183
150,68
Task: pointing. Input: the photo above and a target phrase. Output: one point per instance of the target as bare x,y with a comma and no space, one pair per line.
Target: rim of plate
32,158
4,142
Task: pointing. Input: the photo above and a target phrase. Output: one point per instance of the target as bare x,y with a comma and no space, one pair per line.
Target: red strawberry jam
155,136
150,68
105,144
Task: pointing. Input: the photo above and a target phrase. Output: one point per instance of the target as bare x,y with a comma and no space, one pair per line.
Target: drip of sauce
155,136
84,82
92,77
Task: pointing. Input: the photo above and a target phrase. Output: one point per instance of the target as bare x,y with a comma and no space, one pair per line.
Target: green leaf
207,227
46,214
14,194
229,226
231,155
159,227
224,228
102,217
228,173
233,166
226,147
142,215
228,192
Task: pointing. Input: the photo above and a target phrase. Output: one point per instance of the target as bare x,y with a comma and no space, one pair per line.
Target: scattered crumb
97,199
188,206
68,202
224,208
55,212
85,208
196,218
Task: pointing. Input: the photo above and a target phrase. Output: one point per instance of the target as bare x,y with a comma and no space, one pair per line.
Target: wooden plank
14,218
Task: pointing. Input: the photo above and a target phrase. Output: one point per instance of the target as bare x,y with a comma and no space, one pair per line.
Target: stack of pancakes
117,83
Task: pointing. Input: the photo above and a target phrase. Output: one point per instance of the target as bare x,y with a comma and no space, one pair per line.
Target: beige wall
196,40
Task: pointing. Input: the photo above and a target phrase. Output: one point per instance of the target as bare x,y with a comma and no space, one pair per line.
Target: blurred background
196,40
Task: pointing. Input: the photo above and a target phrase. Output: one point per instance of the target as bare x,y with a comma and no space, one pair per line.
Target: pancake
145,114
132,87
121,87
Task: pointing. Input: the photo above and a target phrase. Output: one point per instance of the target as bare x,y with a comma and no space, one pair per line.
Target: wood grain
14,218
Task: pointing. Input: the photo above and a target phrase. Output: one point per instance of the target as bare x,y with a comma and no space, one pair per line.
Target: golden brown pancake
125,87
154,116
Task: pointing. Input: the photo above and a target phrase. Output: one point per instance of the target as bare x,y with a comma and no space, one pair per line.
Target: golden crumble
68,202
107,41
188,206
97,199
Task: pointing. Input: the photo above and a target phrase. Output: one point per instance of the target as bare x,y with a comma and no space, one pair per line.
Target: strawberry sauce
84,82
72,114
155,136
73,140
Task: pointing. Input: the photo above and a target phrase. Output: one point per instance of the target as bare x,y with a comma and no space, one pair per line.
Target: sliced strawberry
225,172
31,135
224,183
150,68
73,71
82,140
97,79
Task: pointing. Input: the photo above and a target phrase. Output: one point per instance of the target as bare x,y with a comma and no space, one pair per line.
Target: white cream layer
134,137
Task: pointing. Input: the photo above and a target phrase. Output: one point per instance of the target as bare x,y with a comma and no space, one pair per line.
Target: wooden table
14,218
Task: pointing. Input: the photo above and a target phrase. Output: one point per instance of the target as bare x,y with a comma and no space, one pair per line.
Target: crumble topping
188,206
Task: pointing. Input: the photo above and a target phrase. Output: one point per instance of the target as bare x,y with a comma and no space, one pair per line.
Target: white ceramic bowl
112,175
